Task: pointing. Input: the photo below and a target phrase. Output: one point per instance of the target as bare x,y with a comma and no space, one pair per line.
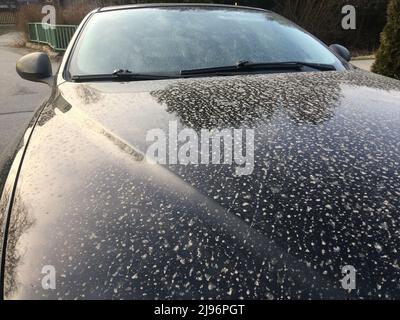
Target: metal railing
56,36
7,17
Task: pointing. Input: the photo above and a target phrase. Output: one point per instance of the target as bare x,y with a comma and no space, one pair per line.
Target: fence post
36,32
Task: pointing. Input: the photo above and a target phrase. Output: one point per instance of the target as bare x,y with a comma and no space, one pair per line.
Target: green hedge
388,56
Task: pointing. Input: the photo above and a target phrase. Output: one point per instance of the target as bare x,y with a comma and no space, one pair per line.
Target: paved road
364,64
18,101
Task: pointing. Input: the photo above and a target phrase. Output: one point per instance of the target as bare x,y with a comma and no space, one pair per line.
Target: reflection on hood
236,102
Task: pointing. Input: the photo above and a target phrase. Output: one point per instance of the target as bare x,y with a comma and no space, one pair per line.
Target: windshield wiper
247,66
241,66
121,75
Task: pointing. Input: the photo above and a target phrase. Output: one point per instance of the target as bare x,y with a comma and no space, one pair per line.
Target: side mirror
35,66
341,51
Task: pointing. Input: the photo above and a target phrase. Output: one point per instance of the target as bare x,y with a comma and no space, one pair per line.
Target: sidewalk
18,99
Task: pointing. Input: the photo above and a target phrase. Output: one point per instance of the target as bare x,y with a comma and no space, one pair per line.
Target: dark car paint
324,192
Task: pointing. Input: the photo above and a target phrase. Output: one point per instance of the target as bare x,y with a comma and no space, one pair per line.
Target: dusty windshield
171,39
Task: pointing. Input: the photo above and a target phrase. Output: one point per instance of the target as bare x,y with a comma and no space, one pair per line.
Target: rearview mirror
35,67
341,51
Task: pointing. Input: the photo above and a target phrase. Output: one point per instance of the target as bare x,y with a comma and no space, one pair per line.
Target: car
114,192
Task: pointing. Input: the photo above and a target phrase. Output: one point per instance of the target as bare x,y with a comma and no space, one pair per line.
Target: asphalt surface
18,101
364,64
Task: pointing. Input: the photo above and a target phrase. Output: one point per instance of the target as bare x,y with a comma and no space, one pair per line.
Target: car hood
323,194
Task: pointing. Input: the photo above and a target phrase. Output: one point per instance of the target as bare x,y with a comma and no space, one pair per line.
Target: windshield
164,40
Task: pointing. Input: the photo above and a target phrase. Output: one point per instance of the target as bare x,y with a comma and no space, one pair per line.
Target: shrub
28,13
388,56
74,14
324,18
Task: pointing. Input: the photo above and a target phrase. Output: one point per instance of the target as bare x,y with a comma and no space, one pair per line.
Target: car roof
164,5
